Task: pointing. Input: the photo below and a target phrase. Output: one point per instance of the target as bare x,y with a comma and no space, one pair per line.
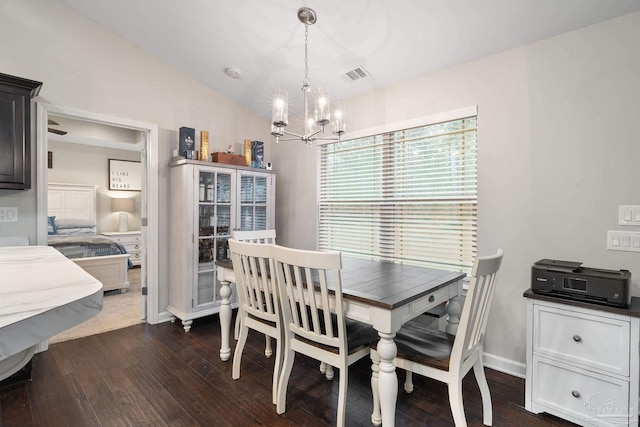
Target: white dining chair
435,354
314,322
254,236
258,301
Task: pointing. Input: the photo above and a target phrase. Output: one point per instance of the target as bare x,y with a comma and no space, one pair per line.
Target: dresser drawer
132,247
131,241
568,391
577,337
135,258
128,239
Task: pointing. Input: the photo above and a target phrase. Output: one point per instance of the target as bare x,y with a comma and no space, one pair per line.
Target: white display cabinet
208,201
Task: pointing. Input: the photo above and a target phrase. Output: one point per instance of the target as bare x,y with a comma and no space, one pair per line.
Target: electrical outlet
8,214
628,241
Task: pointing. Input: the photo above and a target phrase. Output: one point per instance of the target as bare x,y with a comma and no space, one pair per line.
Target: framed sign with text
125,175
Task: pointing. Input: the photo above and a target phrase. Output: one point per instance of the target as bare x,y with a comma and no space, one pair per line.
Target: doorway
149,201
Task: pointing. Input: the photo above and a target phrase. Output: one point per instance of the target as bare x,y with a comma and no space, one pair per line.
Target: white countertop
42,293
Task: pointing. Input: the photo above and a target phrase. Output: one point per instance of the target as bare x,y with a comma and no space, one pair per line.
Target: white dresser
582,361
132,242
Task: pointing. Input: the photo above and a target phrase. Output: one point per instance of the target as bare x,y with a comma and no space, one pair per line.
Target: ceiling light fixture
324,112
233,72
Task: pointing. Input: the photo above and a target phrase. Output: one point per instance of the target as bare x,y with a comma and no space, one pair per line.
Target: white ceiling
394,40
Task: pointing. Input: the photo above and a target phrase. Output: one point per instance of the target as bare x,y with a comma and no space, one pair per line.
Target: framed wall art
125,175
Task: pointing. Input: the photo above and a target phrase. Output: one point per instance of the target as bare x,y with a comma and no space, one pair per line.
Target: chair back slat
308,280
254,236
256,288
475,312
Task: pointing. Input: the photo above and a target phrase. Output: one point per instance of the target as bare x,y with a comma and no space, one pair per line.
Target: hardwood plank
160,375
15,408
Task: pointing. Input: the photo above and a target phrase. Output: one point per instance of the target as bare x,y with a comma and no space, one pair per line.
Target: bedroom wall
85,164
85,67
558,152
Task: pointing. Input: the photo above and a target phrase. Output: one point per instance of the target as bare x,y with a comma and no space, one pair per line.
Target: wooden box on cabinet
582,361
230,159
207,203
15,131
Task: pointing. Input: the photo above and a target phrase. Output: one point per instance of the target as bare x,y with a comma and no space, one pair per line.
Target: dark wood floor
158,375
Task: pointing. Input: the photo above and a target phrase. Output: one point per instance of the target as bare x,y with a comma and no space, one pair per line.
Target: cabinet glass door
253,202
214,228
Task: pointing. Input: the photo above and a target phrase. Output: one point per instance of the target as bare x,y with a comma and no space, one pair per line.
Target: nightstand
132,242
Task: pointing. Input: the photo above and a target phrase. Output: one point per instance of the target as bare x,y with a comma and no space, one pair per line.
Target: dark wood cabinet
15,131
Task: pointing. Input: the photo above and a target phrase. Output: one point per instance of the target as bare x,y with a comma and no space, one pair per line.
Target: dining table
383,294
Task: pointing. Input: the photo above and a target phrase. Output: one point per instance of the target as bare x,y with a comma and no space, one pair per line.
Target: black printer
569,279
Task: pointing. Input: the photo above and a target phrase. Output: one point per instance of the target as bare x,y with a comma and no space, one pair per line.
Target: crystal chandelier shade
324,112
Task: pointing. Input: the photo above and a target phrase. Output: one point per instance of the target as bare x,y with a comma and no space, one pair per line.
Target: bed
72,231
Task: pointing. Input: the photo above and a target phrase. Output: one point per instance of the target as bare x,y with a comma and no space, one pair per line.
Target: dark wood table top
386,284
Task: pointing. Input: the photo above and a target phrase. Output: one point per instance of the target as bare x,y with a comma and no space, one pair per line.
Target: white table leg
387,379
225,320
376,418
454,309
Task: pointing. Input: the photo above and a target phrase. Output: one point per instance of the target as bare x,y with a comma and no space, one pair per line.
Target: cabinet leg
186,324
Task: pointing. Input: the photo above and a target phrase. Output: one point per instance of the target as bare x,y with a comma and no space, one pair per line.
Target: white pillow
73,223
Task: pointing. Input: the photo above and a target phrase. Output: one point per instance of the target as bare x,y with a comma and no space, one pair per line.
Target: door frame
149,195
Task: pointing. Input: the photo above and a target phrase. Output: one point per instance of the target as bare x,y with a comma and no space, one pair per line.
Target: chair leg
237,354
276,371
481,379
376,416
408,382
455,401
268,351
283,382
342,396
236,331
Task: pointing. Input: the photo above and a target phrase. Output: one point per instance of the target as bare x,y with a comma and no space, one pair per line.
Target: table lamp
123,206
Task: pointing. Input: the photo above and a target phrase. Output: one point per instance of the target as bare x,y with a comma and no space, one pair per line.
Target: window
407,196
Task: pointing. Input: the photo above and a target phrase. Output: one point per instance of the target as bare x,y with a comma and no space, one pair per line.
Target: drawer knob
431,298
575,393
577,338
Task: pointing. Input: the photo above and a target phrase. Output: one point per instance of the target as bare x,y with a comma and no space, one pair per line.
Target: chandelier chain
305,82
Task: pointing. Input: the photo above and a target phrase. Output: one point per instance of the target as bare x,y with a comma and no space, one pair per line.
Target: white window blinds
408,196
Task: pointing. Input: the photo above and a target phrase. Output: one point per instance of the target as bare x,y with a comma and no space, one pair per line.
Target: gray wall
557,147
558,152
84,164
85,67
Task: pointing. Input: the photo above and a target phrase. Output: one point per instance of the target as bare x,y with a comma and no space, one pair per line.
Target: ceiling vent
356,74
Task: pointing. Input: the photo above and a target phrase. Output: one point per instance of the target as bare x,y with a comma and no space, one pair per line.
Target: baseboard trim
507,366
165,316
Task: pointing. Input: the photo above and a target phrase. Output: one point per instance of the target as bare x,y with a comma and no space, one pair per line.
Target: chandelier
324,113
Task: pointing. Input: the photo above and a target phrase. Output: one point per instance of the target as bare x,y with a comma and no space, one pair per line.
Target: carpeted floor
119,311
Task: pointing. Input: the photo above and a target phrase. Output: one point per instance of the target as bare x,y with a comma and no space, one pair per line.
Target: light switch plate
627,241
628,215
8,214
